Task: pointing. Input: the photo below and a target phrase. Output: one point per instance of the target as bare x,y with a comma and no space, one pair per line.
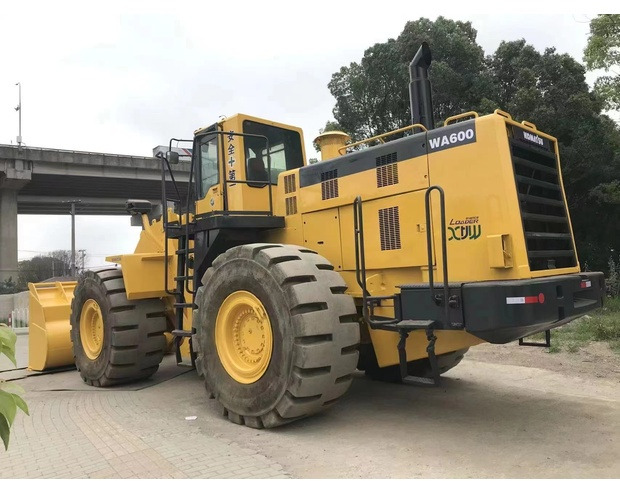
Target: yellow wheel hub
91,329
243,337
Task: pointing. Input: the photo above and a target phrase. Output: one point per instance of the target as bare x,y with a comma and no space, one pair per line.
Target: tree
8,286
550,90
39,268
372,96
546,88
603,52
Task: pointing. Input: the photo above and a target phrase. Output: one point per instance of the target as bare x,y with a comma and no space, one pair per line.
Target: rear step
547,342
404,328
442,299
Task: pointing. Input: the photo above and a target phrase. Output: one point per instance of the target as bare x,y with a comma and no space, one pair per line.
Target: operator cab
237,163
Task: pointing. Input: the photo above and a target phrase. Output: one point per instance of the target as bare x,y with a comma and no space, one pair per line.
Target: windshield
209,174
284,149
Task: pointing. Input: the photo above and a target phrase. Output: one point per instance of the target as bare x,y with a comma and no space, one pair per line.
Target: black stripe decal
406,148
355,162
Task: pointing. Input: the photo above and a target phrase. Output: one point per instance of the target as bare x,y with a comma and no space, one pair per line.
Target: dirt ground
593,360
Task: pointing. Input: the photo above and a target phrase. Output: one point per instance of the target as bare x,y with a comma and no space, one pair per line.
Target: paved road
488,420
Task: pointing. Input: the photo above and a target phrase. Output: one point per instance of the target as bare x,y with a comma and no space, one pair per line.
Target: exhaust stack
420,88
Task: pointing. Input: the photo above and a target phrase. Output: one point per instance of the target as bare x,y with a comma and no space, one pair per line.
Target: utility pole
73,202
83,252
72,239
19,111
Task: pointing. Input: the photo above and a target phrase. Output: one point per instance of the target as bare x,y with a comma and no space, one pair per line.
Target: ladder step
411,325
185,251
181,333
182,278
184,304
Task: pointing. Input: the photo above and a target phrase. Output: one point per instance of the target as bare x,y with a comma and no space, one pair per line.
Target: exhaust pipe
420,88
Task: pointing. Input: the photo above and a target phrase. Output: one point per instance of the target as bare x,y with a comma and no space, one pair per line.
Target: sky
124,77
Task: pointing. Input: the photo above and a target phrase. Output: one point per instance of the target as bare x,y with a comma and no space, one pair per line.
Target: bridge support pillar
14,174
8,234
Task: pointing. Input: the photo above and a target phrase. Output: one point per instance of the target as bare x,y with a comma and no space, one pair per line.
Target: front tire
115,340
311,340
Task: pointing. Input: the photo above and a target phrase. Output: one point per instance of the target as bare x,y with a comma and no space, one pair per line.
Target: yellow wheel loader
278,279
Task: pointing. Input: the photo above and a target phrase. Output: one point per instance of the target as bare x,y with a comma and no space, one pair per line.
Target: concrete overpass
42,181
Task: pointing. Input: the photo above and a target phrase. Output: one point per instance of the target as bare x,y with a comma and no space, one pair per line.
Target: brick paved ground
123,434
488,420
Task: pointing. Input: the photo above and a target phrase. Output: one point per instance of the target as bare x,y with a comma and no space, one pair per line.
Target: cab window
284,150
209,175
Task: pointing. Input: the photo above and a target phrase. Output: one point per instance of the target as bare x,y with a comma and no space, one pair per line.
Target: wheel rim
243,337
91,329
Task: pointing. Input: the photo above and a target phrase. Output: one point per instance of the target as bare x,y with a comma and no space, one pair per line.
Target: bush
613,281
10,393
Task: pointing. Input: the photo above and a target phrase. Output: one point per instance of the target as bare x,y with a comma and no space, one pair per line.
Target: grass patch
600,325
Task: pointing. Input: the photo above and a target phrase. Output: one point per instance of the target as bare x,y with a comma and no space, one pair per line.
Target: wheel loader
278,279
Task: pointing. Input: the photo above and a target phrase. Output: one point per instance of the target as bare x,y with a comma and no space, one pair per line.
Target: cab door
209,191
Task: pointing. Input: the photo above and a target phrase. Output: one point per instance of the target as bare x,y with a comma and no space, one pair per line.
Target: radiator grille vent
291,205
543,210
329,184
289,184
389,228
387,170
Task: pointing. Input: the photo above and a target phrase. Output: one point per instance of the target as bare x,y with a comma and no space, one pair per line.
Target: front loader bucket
49,339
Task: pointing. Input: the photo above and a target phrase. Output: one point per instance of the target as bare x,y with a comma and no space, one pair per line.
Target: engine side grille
543,208
289,184
387,170
291,205
329,184
389,228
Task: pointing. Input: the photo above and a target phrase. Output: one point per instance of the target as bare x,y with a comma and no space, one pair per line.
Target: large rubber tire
314,325
133,331
419,367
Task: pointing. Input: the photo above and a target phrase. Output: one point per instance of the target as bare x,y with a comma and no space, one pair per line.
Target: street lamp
19,110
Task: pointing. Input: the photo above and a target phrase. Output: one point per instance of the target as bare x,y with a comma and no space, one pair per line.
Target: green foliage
10,393
372,96
602,325
603,52
550,90
7,286
612,282
546,88
40,268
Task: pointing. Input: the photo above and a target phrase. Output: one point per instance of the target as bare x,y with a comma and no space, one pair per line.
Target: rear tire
133,342
314,328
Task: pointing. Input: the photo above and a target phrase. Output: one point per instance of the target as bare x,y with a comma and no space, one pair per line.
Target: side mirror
172,157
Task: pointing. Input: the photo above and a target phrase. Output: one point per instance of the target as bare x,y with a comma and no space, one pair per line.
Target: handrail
225,182
503,113
360,257
164,204
450,120
444,248
379,137
360,267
